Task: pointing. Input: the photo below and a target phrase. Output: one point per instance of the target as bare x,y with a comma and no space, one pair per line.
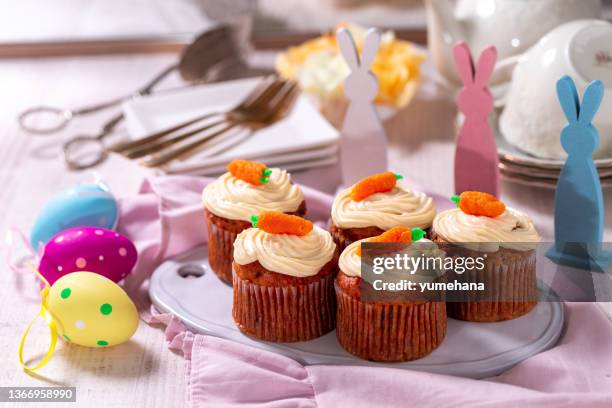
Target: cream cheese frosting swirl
350,262
398,207
512,229
235,199
299,256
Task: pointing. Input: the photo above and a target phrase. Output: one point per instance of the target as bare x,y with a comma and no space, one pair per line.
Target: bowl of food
319,68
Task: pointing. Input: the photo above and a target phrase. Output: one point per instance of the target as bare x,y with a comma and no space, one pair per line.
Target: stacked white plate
522,168
303,139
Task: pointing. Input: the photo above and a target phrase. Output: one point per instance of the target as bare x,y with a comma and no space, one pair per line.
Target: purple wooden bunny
363,144
476,159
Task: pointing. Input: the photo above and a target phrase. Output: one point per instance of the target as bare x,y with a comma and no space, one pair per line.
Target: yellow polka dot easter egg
91,310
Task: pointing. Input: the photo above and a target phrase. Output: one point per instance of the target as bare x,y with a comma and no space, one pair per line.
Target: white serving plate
474,350
303,130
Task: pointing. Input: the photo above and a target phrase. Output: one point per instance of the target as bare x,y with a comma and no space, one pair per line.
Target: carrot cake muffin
284,268
247,188
376,204
506,239
387,331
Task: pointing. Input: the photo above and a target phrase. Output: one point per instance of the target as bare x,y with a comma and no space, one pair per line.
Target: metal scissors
210,51
84,151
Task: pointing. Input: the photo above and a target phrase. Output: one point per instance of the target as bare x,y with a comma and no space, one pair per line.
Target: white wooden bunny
363,143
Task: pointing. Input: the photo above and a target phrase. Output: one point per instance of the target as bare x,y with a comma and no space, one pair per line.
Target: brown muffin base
510,284
344,237
284,311
389,332
222,233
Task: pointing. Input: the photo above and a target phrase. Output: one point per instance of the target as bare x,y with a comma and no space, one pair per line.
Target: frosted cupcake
376,204
284,268
387,331
248,188
482,226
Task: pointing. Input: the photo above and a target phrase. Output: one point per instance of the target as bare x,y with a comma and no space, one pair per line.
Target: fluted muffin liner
221,249
284,313
511,289
389,332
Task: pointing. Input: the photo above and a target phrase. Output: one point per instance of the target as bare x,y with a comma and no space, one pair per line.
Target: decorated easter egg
91,310
83,205
98,250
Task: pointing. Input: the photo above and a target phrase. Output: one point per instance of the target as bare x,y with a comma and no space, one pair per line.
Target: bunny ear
568,98
348,48
485,66
370,47
464,62
590,102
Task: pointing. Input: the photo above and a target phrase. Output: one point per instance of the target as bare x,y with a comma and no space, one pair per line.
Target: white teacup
532,118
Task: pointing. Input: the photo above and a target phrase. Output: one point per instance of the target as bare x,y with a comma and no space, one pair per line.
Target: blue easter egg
85,205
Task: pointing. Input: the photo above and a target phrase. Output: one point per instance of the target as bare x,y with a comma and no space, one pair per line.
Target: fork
159,140
259,109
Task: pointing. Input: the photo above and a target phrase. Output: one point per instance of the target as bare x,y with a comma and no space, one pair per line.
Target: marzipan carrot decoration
250,171
478,203
274,222
397,234
377,183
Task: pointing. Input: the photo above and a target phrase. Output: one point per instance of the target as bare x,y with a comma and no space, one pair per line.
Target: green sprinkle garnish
102,343
264,180
455,199
66,337
398,176
266,172
106,309
417,234
65,293
254,220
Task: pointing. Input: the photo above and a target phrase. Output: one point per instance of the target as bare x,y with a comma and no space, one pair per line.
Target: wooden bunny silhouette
579,210
363,145
476,160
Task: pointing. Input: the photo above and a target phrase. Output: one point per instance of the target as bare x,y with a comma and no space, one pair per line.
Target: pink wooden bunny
363,146
476,159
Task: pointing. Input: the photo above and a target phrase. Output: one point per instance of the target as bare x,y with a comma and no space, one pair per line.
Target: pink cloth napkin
166,218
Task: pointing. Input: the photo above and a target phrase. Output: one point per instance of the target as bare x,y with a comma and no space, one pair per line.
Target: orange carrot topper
250,171
397,234
477,203
377,183
274,222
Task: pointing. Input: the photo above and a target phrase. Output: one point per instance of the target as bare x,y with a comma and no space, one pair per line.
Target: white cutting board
474,350
304,129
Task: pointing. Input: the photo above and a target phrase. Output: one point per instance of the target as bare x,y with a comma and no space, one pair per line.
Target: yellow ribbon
52,330
45,314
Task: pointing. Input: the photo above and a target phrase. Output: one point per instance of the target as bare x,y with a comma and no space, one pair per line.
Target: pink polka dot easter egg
93,249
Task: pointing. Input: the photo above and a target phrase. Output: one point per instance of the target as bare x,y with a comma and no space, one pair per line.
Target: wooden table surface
144,372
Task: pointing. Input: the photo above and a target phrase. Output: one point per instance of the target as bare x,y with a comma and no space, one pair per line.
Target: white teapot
512,26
